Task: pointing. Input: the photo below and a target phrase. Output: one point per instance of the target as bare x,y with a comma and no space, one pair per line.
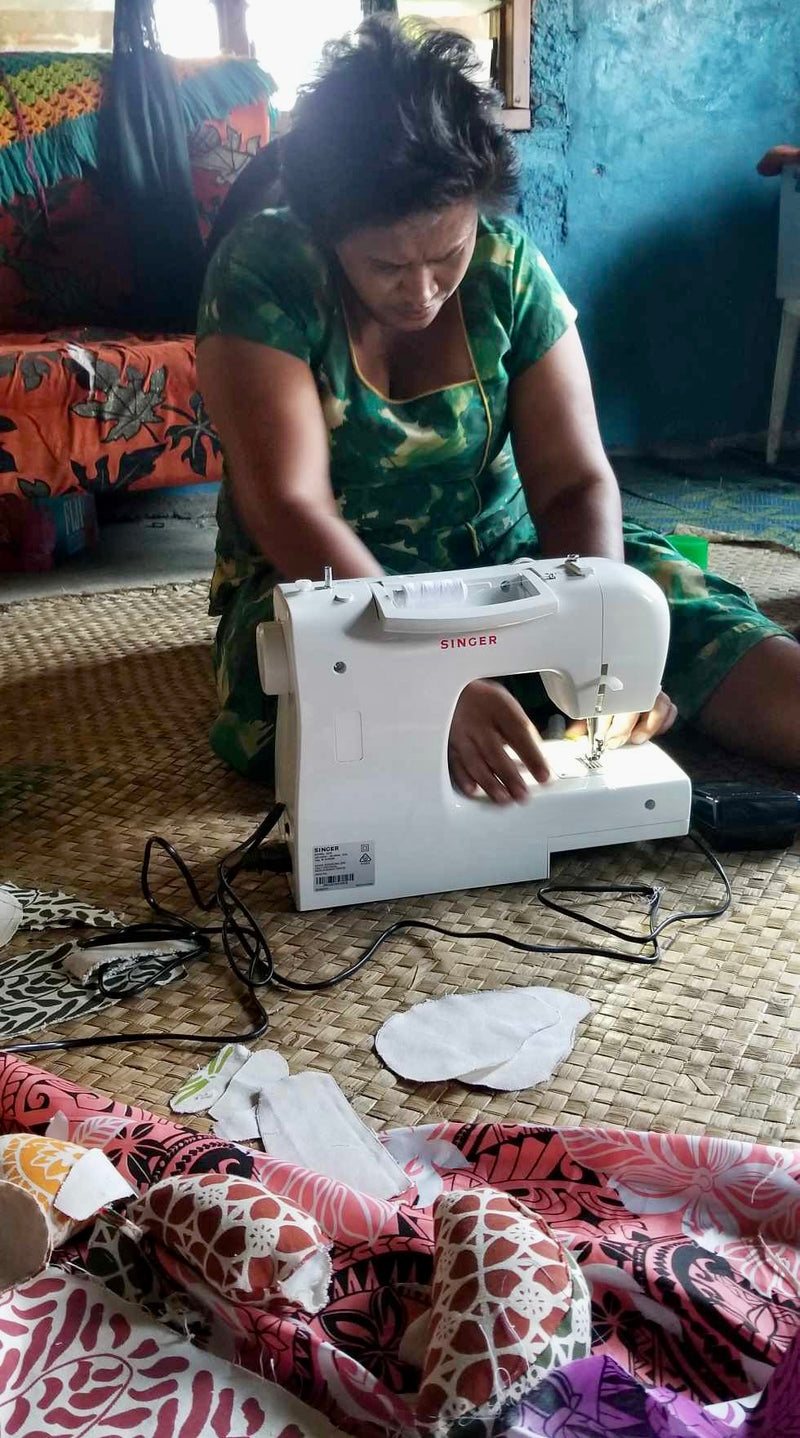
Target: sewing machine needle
591,735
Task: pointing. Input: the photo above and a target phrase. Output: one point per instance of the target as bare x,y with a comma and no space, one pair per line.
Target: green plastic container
691,546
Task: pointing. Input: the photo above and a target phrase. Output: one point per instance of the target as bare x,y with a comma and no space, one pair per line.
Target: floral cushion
84,405
100,412
39,1165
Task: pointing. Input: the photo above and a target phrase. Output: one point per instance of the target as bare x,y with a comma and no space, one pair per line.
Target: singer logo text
468,641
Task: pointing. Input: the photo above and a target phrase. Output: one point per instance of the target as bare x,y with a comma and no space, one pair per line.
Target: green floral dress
428,483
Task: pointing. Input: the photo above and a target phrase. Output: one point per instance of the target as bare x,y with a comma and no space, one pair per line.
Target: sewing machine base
349,854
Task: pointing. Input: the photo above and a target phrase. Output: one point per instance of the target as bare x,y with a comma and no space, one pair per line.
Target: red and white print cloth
248,1244
690,1248
79,1363
507,1307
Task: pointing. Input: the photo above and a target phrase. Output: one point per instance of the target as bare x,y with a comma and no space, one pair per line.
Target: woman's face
404,272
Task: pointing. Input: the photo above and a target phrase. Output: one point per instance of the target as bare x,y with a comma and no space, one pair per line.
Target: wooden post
231,18
512,27
518,55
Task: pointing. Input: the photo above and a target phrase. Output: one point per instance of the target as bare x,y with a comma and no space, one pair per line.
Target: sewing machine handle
440,615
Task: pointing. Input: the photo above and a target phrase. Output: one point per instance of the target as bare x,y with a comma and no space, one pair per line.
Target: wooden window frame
515,42
232,24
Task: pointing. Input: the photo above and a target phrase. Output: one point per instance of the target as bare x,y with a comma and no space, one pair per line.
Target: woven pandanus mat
104,709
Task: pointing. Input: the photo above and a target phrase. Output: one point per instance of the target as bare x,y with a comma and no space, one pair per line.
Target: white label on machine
344,866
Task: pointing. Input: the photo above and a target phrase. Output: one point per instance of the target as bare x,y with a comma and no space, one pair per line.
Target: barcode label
344,866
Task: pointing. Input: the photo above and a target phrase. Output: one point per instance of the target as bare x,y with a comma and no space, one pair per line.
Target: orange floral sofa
85,406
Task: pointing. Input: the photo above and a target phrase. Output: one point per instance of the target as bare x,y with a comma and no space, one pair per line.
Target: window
501,33
188,28
61,25
476,19
289,39
287,36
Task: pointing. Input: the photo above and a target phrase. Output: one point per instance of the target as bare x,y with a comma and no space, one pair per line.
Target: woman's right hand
486,720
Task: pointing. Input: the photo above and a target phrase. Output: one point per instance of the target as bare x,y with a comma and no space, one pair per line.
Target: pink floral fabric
738,1199
688,1247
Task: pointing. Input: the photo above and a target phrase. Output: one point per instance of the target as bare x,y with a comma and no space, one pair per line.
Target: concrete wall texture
639,185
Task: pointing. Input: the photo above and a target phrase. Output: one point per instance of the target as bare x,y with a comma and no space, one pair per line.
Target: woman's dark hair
395,124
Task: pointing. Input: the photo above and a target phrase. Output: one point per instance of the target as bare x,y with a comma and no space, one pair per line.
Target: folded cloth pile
461,1306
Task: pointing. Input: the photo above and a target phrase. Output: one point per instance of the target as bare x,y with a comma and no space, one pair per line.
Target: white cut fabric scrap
445,1038
507,1039
307,1120
235,1111
207,1084
91,1183
10,914
82,961
541,1054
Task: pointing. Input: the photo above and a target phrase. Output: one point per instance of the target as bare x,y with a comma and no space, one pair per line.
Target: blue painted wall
639,184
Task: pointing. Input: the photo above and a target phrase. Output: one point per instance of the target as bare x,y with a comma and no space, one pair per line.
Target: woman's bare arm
266,409
569,484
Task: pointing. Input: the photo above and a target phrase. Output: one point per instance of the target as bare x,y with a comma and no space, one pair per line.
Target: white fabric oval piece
541,1054
460,1033
10,915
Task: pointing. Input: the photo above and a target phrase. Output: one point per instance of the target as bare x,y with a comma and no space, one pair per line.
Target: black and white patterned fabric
42,909
36,992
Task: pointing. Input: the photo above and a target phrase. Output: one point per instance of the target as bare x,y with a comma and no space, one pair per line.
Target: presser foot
593,758
592,761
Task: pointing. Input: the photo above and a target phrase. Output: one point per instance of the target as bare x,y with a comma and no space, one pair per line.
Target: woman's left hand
631,728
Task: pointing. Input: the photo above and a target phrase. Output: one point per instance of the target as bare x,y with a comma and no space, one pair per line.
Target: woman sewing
399,386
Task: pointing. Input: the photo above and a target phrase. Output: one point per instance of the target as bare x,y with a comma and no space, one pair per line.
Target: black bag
144,165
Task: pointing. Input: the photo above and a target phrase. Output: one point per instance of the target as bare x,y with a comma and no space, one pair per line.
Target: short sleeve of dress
541,312
266,283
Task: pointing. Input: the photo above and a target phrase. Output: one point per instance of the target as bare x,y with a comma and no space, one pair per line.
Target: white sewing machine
369,673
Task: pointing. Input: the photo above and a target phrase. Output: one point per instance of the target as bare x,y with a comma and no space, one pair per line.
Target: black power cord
238,926
250,958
